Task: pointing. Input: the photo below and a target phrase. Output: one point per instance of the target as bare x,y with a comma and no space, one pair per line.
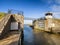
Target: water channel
37,37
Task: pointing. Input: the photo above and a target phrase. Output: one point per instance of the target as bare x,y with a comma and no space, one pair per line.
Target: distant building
39,23
47,23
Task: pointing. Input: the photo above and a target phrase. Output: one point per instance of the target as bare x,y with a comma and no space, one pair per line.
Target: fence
11,11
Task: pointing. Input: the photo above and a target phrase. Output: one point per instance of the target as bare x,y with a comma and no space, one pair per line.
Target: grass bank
2,14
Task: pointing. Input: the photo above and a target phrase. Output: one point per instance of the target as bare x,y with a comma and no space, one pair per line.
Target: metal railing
12,11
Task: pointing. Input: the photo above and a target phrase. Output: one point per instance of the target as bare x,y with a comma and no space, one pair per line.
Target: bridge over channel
29,18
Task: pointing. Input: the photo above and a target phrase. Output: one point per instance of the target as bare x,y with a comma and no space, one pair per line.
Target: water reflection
28,36
36,37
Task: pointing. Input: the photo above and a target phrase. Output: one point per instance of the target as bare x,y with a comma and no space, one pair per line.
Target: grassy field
2,14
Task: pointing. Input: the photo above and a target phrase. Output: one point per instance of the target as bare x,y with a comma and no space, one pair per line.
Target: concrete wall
6,29
50,25
5,26
39,24
13,18
19,18
56,27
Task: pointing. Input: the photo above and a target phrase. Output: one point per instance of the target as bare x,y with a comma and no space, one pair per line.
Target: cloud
55,9
57,1
49,1
53,1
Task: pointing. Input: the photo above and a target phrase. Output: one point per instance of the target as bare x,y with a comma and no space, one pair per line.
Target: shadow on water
32,38
42,38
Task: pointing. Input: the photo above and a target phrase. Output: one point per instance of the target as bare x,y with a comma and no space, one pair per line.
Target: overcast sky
32,8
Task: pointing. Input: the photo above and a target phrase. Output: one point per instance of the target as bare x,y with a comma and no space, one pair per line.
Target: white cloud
56,10
49,1
57,1
53,1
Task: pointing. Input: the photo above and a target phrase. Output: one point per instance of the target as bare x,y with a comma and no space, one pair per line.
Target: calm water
28,35
33,37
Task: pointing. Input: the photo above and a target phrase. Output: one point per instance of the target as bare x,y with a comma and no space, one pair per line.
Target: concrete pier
8,36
